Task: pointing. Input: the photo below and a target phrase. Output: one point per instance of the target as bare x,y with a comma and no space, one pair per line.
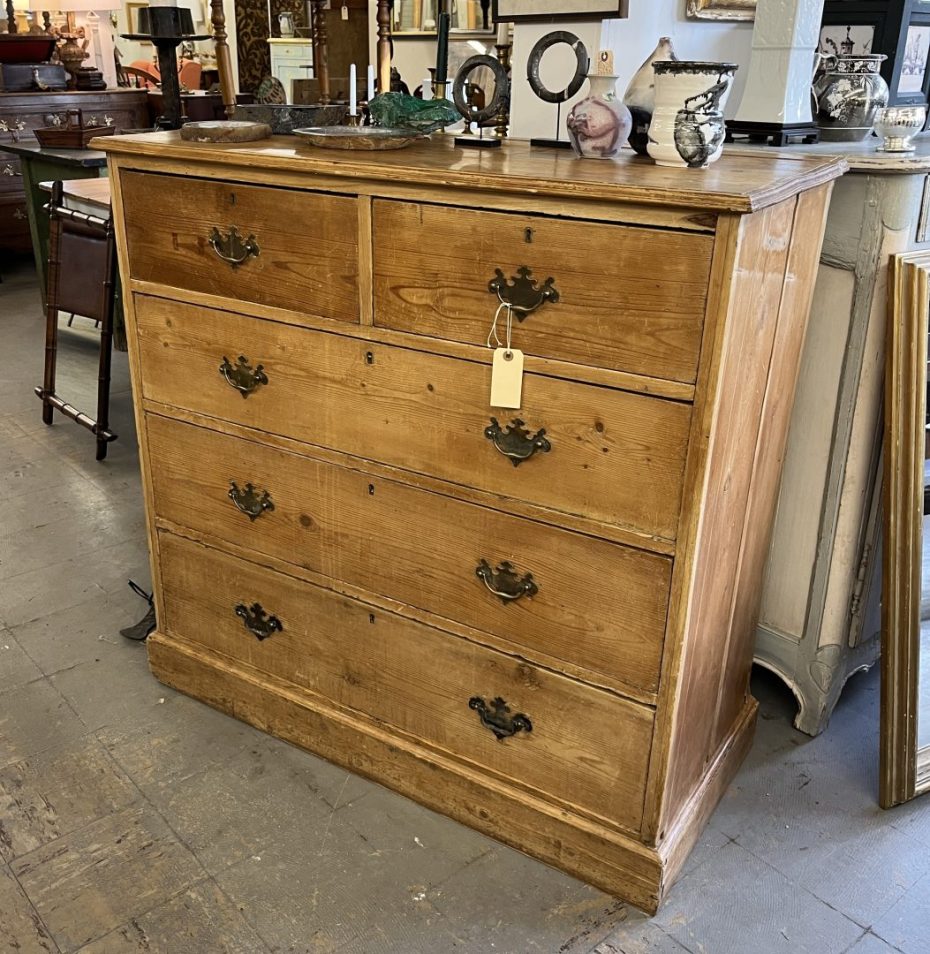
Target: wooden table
38,165
86,195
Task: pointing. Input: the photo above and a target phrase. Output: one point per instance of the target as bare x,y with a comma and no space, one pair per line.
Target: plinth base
551,143
776,134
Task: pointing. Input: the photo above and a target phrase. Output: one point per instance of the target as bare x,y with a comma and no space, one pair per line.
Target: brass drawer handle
257,621
521,292
8,170
505,582
498,719
232,247
516,443
250,501
12,126
242,376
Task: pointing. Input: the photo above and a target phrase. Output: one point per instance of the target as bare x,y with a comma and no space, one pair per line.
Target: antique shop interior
464,476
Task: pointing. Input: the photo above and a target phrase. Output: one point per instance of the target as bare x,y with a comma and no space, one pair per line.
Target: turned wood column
223,61
320,39
384,46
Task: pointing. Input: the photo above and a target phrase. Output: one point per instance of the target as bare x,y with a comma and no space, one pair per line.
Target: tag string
493,332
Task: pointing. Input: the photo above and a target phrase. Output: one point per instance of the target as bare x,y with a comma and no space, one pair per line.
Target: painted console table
819,619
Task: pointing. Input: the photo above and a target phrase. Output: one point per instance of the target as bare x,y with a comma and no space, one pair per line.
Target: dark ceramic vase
849,92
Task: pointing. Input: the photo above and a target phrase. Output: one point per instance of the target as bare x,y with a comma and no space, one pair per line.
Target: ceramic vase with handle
687,127
599,125
640,95
849,91
286,24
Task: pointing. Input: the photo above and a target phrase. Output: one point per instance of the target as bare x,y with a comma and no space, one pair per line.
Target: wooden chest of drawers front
487,609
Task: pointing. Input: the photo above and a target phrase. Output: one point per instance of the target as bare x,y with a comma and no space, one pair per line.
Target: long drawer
613,456
415,679
297,250
596,605
629,298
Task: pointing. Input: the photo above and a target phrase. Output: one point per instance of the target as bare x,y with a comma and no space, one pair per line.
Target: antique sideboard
537,620
20,114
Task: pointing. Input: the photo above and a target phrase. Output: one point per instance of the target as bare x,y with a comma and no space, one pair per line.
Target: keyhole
371,490
528,235
232,198
369,357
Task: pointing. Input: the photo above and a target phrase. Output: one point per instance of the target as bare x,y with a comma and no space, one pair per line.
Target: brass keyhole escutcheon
528,235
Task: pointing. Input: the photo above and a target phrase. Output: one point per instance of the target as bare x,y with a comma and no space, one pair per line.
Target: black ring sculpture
581,68
501,98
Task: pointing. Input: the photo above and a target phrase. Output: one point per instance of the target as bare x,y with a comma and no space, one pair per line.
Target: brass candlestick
439,90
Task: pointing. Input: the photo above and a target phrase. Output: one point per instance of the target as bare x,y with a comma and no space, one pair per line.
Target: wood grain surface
615,456
631,299
308,258
599,605
602,856
737,183
418,680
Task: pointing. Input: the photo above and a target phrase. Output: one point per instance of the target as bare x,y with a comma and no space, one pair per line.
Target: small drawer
420,681
293,51
606,454
11,176
296,250
14,220
597,605
628,298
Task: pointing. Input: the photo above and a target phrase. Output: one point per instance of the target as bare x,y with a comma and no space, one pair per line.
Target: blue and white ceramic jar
687,127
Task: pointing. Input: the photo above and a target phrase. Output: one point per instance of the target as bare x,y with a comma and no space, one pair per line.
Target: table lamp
776,104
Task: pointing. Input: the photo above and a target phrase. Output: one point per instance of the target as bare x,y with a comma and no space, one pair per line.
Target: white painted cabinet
819,618
290,60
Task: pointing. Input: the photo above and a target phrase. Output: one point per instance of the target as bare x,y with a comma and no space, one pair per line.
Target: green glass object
399,111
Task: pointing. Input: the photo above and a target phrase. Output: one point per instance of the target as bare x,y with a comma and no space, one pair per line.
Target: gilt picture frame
520,11
722,9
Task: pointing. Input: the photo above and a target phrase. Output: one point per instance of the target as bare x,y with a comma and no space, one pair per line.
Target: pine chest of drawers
537,621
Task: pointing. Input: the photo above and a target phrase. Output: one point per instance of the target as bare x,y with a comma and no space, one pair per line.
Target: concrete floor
134,819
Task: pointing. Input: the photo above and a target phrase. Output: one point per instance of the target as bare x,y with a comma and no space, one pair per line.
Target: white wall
632,40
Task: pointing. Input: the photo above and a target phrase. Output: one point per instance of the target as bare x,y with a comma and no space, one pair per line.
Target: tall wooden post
10,17
320,50
384,46
223,61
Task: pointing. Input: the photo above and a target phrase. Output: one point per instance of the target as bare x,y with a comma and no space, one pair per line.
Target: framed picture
132,8
722,9
509,11
897,29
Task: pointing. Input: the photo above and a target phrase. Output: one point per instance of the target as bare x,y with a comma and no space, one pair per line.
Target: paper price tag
506,378
345,12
